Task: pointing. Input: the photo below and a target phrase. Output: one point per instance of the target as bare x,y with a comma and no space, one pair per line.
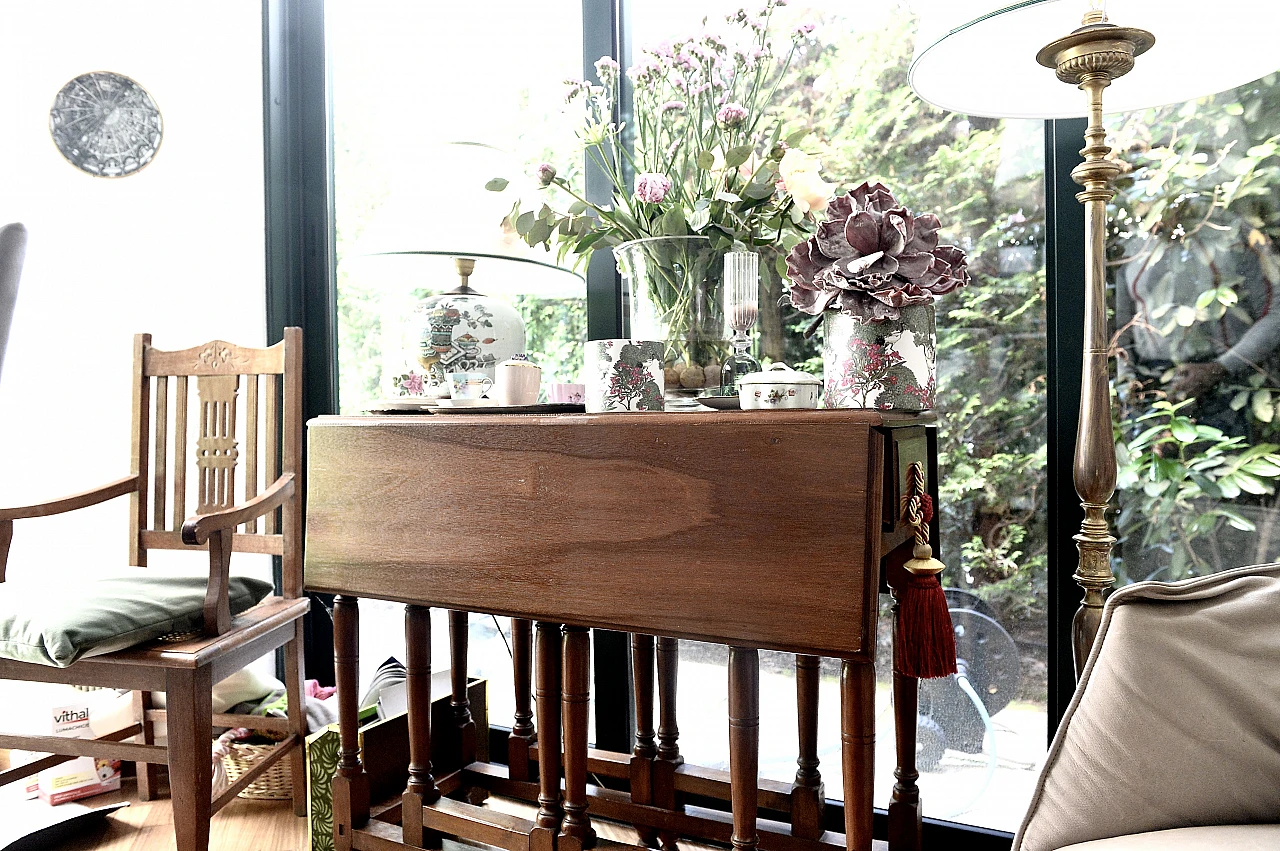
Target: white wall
175,249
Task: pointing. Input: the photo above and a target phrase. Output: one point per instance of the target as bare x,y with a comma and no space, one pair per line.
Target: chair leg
148,773
190,708
297,718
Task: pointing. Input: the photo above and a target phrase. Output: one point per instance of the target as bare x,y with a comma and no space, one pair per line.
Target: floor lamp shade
978,57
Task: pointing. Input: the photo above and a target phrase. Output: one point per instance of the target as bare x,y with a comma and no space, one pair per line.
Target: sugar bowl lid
519,360
779,373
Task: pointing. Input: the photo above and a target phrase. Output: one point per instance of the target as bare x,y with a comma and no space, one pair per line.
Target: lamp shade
978,57
440,211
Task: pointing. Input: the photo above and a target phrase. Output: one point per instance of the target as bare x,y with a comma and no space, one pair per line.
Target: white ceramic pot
778,387
517,382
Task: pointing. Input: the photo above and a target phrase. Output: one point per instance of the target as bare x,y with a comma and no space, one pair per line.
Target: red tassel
926,640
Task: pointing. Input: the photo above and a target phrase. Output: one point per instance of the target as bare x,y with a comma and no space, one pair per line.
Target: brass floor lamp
973,57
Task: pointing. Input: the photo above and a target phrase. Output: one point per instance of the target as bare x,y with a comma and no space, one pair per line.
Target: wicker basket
275,784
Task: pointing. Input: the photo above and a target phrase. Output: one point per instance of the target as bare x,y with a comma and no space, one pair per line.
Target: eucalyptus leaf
795,138
735,157
673,222
699,218
577,208
497,184
705,160
540,232
524,222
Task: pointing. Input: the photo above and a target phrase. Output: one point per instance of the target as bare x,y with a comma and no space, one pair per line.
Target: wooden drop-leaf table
758,530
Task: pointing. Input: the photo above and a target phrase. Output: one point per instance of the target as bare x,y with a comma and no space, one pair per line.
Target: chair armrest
120,487
197,529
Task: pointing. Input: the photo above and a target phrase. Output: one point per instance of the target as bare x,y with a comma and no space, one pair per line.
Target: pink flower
546,173
652,187
732,116
804,31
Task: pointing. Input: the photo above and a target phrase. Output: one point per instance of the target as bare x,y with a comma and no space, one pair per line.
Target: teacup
468,385
567,394
517,381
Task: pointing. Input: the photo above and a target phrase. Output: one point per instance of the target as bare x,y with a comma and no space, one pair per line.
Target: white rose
799,173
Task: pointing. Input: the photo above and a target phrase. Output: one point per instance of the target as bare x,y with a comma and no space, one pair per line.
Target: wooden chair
186,667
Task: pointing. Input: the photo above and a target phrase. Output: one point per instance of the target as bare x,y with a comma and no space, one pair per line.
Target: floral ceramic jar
889,365
777,388
464,331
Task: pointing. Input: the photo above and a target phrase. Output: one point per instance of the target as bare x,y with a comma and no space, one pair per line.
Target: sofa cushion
1176,719
58,624
1230,837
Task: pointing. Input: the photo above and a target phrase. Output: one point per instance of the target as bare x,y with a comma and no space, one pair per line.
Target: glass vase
672,285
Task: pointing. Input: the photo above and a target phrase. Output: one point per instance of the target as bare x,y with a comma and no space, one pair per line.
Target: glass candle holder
741,310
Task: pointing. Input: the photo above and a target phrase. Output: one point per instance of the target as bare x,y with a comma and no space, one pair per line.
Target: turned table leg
646,747
668,756
547,822
744,744
808,795
350,784
422,786
522,730
576,689
904,803
459,635
858,750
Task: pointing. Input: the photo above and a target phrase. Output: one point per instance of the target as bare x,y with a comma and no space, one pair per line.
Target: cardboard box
82,777
385,751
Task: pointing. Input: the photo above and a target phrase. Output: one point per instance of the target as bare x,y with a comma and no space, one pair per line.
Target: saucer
462,403
721,403
403,403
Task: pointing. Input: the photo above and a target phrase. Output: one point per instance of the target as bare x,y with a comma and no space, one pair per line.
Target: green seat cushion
56,623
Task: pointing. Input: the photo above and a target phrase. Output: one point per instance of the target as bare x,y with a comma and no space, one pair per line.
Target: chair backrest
13,248
189,442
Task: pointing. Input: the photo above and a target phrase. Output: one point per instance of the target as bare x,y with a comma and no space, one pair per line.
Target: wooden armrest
119,487
197,529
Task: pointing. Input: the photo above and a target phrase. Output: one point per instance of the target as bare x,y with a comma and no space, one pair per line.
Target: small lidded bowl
778,387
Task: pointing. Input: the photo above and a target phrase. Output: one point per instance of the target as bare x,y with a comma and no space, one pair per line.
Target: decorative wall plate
105,124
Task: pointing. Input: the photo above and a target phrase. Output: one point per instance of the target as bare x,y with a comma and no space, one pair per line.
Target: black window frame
301,290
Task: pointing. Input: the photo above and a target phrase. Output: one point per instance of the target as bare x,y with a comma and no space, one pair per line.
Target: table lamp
980,58
441,229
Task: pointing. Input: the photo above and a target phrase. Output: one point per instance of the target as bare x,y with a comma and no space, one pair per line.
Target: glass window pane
409,79
847,85
1195,272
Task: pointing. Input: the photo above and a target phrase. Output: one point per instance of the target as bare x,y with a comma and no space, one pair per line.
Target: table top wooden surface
754,528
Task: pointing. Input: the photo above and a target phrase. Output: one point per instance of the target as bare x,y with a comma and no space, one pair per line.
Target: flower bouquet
870,275
705,173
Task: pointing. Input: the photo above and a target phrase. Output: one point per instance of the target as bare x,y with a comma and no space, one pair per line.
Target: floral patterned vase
624,375
888,365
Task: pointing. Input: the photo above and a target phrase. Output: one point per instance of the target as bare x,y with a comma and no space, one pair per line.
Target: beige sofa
1172,740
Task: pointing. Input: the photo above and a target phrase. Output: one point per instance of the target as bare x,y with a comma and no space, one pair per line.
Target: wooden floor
242,826
271,826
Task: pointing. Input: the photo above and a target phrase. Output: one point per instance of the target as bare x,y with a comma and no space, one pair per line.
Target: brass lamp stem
1090,58
465,266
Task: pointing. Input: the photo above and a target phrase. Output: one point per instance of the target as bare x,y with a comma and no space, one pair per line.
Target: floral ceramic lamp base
888,365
